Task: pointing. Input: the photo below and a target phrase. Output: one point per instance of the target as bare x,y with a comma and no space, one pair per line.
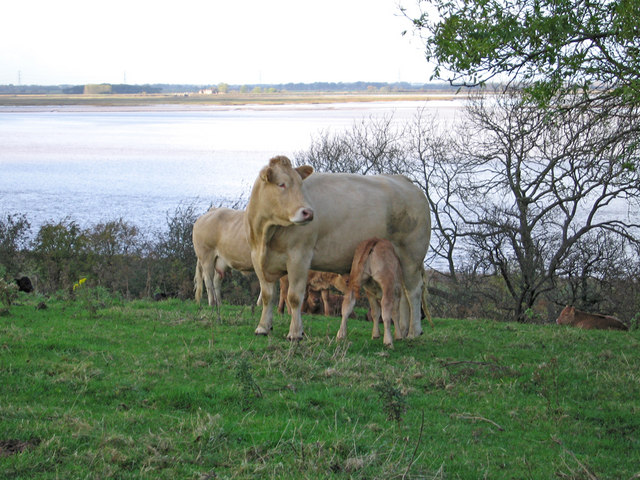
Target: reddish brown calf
578,318
377,269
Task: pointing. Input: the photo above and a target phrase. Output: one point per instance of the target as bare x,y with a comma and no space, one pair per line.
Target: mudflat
198,100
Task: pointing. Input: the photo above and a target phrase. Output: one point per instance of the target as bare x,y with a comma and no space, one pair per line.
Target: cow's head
281,190
566,316
313,302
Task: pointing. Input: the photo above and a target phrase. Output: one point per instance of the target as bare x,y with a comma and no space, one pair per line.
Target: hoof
293,338
261,331
413,334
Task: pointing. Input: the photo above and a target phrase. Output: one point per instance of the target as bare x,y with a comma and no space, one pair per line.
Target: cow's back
596,321
351,208
222,231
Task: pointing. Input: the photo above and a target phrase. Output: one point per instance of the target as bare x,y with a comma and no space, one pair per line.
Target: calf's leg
348,303
374,305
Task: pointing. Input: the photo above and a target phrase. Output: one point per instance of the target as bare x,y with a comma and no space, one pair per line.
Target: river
95,164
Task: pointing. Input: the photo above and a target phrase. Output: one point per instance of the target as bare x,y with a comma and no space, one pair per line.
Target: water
99,164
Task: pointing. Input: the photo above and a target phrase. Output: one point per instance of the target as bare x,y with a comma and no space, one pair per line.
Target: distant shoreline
175,101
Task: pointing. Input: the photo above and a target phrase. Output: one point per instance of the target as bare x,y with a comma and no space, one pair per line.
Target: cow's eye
282,186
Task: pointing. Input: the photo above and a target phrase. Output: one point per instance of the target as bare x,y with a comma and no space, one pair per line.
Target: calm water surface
100,164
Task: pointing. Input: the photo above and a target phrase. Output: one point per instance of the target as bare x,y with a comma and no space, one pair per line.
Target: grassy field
204,100
94,387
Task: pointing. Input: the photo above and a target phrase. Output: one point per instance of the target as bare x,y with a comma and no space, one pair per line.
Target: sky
202,42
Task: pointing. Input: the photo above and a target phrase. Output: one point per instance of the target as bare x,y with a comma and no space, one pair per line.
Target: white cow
297,220
220,243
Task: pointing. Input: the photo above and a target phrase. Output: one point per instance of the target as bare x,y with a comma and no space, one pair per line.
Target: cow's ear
267,174
305,171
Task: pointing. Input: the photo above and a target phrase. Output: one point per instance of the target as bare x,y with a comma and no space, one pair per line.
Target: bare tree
373,145
433,166
535,185
515,193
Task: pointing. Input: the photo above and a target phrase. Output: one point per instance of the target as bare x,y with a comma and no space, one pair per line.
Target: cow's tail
425,297
197,281
357,266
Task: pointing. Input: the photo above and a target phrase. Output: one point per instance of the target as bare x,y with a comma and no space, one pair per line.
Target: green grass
98,388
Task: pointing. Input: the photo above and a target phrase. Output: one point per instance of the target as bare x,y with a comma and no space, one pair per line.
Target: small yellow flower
79,283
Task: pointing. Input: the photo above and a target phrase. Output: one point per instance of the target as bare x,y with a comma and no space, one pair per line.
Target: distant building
208,91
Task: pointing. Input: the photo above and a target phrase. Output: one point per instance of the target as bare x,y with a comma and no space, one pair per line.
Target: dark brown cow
24,284
315,303
577,318
297,220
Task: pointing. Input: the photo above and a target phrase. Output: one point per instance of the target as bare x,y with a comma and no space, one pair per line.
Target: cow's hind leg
197,282
399,293
389,307
209,275
348,303
374,307
284,287
425,298
410,304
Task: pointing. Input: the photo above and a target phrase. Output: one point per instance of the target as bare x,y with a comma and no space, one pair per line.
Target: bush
8,290
113,254
14,235
60,253
174,258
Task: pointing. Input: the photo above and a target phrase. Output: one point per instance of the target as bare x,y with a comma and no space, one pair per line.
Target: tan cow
376,268
297,220
320,282
220,242
577,318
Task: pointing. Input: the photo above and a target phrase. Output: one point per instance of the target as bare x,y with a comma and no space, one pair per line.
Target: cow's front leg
267,290
295,296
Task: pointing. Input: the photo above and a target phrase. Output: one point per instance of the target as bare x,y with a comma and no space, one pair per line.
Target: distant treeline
118,89
174,88
75,89
349,86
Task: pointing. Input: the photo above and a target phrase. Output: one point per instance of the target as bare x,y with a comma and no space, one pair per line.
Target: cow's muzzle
302,216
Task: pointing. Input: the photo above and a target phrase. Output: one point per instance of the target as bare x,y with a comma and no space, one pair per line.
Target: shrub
114,250
60,254
393,401
14,234
173,254
8,289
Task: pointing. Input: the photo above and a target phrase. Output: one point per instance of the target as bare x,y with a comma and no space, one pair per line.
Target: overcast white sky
207,42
